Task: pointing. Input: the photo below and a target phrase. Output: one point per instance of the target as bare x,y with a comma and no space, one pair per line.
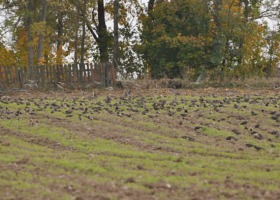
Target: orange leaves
20,47
6,56
59,55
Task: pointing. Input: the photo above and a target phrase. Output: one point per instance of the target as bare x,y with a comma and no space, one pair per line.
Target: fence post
96,75
91,73
14,75
87,73
30,72
56,73
102,74
20,78
1,76
65,73
59,72
72,74
47,74
76,75
69,78
37,73
83,74
6,74
113,75
10,74
43,75
1,73
106,74
80,73
51,74
25,74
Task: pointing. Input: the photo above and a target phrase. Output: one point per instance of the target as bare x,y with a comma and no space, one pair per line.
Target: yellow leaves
179,40
198,41
39,28
232,6
6,56
59,55
20,47
158,29
230,14
19,55
41,62
276,45
253,40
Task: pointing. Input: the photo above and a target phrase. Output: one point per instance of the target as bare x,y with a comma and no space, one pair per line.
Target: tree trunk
59,50
76,43
102,33
76,39
84,34
150,6
40,50
246,17
29,34
116,34
218,38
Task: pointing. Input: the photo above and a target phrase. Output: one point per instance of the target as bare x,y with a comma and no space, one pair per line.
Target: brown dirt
104,191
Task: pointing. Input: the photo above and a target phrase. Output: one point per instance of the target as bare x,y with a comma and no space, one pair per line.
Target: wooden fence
64,76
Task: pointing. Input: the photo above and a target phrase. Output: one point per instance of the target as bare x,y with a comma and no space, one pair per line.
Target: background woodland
161,38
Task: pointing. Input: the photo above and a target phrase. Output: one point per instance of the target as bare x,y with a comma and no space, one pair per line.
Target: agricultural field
156,144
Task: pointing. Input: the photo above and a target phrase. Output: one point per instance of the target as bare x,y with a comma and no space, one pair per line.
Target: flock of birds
177,107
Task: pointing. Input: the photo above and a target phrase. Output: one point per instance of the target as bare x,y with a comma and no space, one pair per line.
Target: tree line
162,38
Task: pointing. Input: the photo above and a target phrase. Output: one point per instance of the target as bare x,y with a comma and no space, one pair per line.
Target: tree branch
91,30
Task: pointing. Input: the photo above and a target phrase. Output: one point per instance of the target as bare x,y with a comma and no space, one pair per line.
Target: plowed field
156,144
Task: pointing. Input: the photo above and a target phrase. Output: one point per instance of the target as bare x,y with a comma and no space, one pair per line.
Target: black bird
68,112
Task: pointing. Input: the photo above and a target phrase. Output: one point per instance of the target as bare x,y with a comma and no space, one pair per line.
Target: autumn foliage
164,38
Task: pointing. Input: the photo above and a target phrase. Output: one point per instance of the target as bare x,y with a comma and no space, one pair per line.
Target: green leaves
170,38
217,34
175,37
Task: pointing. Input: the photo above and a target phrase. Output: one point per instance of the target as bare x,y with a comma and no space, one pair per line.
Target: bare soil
210,143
